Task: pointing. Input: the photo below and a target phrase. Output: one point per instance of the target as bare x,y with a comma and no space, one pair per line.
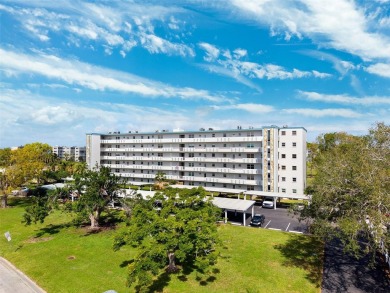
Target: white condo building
70,153
267,159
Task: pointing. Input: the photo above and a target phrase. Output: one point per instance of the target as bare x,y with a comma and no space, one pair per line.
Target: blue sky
68,68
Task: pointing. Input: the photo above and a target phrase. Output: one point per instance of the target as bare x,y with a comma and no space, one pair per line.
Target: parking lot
278,219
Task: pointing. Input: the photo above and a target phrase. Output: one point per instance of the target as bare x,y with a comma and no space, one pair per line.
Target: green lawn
61,258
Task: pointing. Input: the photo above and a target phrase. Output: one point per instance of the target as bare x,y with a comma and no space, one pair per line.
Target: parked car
257,220
268,202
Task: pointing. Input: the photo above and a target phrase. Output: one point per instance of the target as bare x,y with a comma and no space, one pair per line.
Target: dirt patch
71,257
38,239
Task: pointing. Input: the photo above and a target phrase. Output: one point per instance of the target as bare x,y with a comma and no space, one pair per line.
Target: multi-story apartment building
269,159
70,153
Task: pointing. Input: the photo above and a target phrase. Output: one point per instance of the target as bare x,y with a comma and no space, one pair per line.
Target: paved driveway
278,219
14,281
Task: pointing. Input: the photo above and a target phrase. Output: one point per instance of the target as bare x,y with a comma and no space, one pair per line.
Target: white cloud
212,52
248,107
340,24
341,66
234,67
96,78
345,113
232,74
381,69
155,44
108,25
344,99
239,53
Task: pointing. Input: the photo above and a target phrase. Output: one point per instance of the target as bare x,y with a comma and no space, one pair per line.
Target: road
14,281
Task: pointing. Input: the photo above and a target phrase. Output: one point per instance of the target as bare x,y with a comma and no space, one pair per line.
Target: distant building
73,153
267,159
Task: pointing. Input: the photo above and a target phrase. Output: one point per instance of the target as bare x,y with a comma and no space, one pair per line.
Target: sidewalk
14,281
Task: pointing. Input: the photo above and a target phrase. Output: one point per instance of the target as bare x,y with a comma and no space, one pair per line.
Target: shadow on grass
304,252
160,283
125,263
111,218
21,202
52,229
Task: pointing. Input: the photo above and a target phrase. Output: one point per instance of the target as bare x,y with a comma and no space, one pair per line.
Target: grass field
62,258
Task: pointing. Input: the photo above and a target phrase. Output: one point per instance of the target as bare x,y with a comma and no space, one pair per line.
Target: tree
160,178
23,165
32,160
350,191
96,189
5,157
182,233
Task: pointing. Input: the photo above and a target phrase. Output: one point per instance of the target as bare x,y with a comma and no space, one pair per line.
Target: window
191,165
250,145
283,179
283,144
224,135
294,144
294,191
224,165
224,155
250,166
213,174
294,132
190,155
160,146
213,135
283,156
212,165
294,156
250,156
250,134
283,190
213,155
159,163
160,154
190,173
294,168
250,188
250,177
283,132
294,179
191,136
283,167
224,175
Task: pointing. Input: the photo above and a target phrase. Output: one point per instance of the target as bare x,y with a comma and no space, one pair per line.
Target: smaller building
73,153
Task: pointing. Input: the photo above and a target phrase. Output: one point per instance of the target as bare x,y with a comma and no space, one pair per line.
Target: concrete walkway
14,281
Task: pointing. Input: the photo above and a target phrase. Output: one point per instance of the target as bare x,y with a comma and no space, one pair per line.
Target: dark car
257,220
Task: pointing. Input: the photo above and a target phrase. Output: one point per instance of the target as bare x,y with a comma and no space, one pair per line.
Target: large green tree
95,189
23,165
350,191
183,233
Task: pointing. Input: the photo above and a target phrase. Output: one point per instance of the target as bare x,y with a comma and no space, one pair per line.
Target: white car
268,202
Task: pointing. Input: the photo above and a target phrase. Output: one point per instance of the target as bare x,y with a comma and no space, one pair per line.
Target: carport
234,205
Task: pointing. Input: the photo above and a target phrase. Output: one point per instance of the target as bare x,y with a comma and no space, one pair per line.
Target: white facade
242,159
70,153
